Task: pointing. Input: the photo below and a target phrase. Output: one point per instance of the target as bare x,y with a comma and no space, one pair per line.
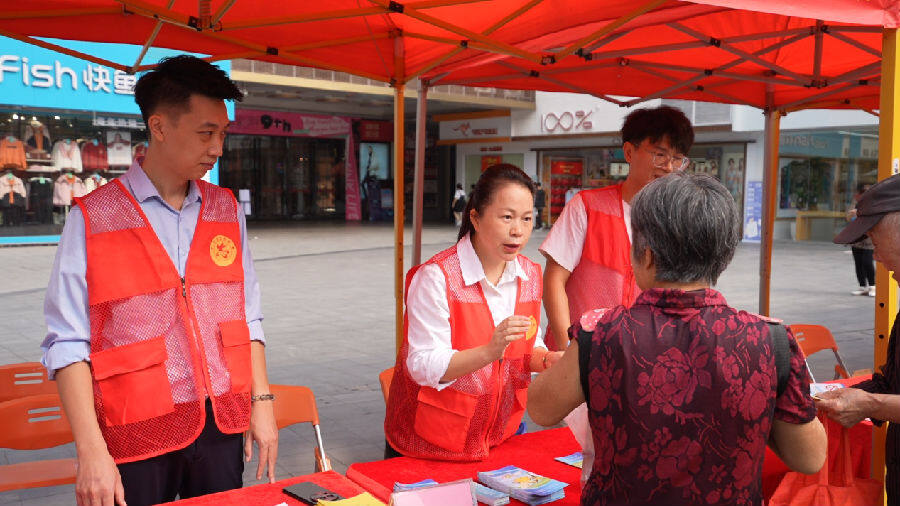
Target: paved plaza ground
327,295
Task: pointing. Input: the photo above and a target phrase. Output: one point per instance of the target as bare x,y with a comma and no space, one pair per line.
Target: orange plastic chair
297,404
385,377
22,380
33,423
816,338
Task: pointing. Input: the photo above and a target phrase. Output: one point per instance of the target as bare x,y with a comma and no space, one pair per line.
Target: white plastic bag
578,423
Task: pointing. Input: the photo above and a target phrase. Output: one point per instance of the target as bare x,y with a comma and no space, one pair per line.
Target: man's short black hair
658,123
176,78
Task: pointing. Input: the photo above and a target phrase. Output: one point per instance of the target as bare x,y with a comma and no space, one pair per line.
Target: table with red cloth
270,494
534,452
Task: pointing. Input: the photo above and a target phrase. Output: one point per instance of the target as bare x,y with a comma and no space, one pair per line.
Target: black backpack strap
782,350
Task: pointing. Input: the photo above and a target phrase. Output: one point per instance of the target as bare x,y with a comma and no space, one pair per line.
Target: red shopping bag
835,484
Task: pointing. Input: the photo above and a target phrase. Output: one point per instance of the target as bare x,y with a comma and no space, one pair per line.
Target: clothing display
94,182
93,156
12,200
12,153
37,141
40,199
66,188
119,153
139,151
66,156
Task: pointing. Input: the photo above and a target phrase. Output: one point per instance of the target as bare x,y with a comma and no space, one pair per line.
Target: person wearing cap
878,216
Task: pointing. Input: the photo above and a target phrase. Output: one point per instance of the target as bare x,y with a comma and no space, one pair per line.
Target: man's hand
97,480
264,431
847,406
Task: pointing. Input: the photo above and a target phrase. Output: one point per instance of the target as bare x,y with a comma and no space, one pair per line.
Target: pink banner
290,124
353,203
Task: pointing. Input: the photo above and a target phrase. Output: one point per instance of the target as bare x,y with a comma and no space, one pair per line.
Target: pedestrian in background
862,250
459,203
540,201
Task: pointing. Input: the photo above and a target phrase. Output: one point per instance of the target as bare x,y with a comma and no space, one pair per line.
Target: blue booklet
575,460
410,486
525,486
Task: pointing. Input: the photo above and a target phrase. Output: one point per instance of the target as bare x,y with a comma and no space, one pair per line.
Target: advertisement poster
753,212
353,200
569,167
374,160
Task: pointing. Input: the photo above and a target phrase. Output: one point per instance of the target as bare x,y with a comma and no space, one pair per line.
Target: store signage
475,129
491,148
106,121
567,121
489,161
376,131
288,124
753,212
32,76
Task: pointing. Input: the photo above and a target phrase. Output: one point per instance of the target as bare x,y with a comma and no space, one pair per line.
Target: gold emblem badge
222,250
532,328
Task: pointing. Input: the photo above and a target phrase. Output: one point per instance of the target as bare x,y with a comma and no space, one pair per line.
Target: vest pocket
520,400
133,382
236,347
443,417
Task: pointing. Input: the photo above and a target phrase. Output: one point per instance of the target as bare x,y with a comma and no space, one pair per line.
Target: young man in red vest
588,249
154,328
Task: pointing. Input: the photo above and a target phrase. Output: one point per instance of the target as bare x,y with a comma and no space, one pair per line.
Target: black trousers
212,463
865,266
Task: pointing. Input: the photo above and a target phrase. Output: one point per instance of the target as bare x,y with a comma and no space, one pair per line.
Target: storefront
819,173
67,126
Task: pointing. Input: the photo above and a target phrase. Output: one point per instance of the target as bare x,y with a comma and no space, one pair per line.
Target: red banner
574,167
353,202
376,131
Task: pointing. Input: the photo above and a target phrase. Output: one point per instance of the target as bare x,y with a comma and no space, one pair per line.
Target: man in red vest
154,328
588,249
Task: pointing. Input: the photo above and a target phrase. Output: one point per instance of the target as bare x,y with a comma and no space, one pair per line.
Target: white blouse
428,334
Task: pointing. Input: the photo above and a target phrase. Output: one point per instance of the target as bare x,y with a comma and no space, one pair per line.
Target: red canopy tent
775,55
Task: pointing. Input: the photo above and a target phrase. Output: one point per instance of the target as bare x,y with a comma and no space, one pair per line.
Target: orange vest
162,344
478,410
603,277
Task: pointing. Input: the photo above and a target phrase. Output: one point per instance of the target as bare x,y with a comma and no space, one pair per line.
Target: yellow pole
770,190
888,164
399,89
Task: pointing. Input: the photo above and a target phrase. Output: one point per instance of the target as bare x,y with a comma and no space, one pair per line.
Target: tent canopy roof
764,54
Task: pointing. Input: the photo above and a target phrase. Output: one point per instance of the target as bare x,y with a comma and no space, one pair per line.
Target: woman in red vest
472,331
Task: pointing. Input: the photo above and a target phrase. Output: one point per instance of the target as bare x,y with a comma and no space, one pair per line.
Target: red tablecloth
534,451
268,494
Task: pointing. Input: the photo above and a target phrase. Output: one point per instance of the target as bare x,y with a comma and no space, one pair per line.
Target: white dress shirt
428,334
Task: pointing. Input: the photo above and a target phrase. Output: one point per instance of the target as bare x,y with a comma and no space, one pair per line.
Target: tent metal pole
150,39
609,28
817,54
63,50
399,151
770,189
59,13
855,43
869,70
815,98
888,165
336,42
419,174
493,28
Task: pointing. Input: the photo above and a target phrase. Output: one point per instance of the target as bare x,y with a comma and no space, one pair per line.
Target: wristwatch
262,397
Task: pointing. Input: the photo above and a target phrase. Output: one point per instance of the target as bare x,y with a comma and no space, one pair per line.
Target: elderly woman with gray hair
681,389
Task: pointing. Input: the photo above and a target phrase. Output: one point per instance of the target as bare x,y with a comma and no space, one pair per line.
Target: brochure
525,486
574,460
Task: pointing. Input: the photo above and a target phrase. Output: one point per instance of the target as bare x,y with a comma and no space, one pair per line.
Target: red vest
160,344
603,277
478,410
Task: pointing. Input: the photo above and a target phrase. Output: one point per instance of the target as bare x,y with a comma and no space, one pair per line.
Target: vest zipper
496,407
189,313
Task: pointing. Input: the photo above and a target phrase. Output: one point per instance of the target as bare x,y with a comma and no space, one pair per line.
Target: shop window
47,159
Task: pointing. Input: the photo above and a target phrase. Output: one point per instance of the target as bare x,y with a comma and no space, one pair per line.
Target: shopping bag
578,423
834,484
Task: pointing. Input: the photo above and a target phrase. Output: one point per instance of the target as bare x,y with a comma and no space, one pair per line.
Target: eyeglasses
660,160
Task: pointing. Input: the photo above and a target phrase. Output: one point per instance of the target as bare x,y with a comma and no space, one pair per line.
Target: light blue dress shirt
66,302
